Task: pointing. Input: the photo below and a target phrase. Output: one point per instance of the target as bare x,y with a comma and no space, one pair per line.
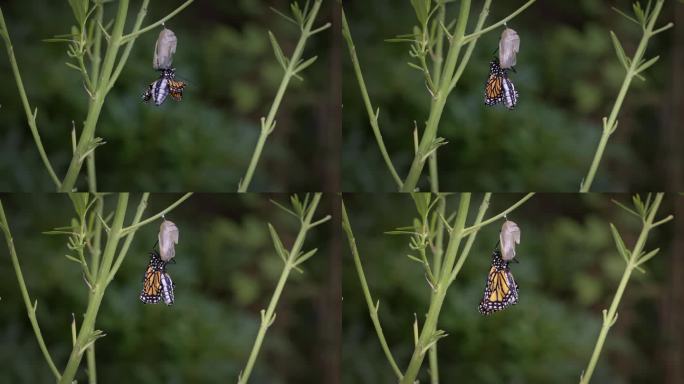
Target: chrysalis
168,238
508,238
164,49
509,45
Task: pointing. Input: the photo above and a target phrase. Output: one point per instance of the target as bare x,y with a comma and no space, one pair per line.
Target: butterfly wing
493,89
152,285
176,89
500,291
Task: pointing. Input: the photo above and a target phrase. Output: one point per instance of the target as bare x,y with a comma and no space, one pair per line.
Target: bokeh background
568,77
202,143
568,272
225,274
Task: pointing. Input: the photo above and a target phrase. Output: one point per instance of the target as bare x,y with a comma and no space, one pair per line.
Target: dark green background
567,273
568,77
203,143
225,274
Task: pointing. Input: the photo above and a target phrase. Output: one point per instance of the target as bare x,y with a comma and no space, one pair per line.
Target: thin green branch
30,308
476,34
87,333
85,141
268,123
131,36
610,316
499,216
268,316
610,124
30,116
129,44
372,115
129,237
372,308
135,226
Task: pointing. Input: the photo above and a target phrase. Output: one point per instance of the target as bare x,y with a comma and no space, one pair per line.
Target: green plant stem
30,308
30,116
610,317
135,226
131,234
92,367
372,308
610,126
430,325
476,227
439,99
85,333
372,115
268,316
85,140
268,124
135,33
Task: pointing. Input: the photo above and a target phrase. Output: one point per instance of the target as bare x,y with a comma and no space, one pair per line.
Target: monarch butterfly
162,87
499,88
157,284
500,288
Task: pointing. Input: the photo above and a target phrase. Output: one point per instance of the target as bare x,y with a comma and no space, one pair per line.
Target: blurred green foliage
568,77
225,273
202,143
567,273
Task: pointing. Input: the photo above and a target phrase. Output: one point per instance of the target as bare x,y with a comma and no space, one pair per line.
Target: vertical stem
440,292
30,309
610,318
372,308
268,316
95,106
437,107
30,116
610,125
92,367
95,298
268,124
372,115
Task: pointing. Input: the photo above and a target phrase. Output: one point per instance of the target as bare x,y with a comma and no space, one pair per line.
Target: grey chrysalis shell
509,45
168,238
508,238
164,49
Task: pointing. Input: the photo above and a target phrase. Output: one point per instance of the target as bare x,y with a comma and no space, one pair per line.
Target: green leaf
647,64
647,256
80,9
619,244
305,64
629,210
282,60
277,244
305,257
626,16
639,205
638,12
422,9
619,51
422,202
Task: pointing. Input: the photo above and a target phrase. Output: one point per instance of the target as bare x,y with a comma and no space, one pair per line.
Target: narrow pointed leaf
282,60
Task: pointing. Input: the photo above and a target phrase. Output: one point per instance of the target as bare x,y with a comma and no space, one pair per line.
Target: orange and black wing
152,286
494,89
176,89
500,291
